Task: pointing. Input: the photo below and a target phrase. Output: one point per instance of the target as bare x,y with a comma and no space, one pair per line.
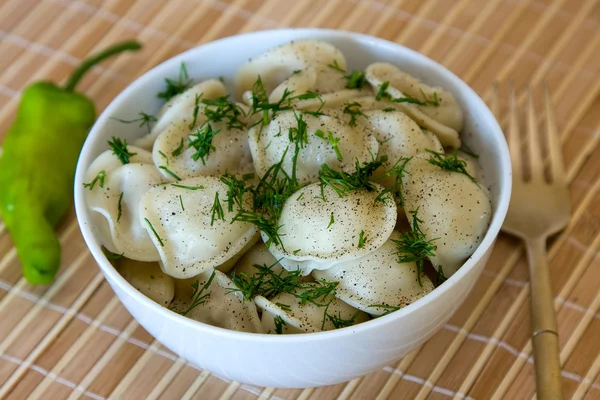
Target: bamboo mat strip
257,15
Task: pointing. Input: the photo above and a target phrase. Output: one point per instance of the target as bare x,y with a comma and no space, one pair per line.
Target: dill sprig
343,183
279,324
144,119
119,149
235,193
154,232
181,203
331,220
467,150
198,296
168,171
397,171
175,87
216,210
333,141
362,239
449,163
354,110
441,278
99,178
265,282
339,322
195,112
336,66
382,92
413,246
110,255
201,141
356,80
179,149
187,187
223,110
389,309
120,207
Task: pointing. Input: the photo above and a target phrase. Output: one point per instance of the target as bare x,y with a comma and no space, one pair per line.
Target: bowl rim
504,184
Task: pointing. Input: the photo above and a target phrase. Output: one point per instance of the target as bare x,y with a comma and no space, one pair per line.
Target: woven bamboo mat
74,339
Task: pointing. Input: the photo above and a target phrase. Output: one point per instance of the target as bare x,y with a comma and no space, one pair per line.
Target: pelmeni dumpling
180,108
455,210
149,279
280,63
104,163
398,136
191,226
222,305
317,233
257,255
269,145
295,317
444,120
231,153
377,279
118,203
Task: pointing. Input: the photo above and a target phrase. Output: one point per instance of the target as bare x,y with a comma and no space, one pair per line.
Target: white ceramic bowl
314,359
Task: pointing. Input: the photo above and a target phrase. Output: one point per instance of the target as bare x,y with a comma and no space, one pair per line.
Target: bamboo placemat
74,339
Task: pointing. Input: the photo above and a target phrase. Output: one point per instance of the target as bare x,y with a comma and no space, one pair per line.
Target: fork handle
544,337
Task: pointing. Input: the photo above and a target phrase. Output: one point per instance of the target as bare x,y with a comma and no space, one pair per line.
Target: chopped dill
198,296
168,171
99,178
120,207
389,309
279,324
163,155
449,163
354,110
195,112
110,255
181,202
144,119
216,210
339,322
362,239
441,278
343,183
331,221
356,80
336,66
119,149
175,87
179,149
187,187
154,232
333,141
382,92
201,141
413,246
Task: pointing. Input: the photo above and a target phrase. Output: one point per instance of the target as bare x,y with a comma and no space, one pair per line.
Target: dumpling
317,233
211,298
269,145
229,154
454,209
398,136
445,119
149,279
285,312
180,109
260,255
117,202
95,178
190,225
280,63
377,279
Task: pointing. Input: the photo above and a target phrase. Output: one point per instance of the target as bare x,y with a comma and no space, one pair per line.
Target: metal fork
539,208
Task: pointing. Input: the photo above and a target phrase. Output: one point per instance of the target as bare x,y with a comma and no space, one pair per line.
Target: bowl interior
223,58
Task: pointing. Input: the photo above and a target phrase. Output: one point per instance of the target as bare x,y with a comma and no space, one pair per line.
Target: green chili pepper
37,165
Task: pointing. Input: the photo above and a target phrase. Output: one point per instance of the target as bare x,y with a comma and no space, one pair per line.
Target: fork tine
557,167
536,162
514,137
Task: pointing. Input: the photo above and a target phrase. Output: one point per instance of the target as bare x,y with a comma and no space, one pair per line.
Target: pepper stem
130,45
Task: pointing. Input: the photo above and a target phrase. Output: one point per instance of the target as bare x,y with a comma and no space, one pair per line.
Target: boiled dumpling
280,63
378,279
118,203
285,313
149,279
269,145
398,137
190,225
180,109
454,209
317,233
445,120
95,178
221,305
